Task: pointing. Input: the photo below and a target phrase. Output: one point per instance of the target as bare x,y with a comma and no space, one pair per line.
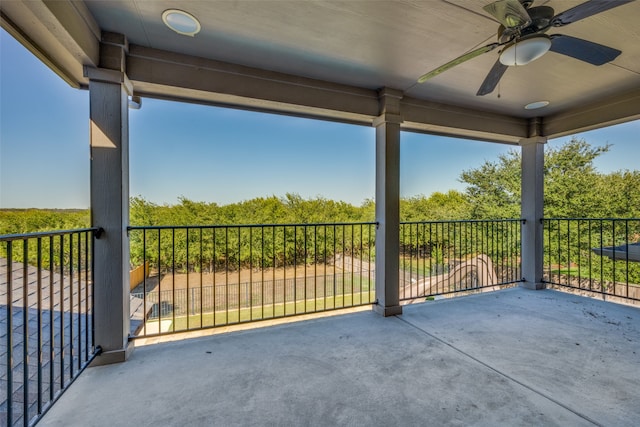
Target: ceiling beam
620,108
169,75
62,34
182,77
448,120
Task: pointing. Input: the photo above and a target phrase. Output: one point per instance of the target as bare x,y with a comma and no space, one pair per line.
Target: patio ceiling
330,59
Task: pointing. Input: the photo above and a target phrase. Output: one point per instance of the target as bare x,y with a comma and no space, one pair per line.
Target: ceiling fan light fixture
525,51
181,22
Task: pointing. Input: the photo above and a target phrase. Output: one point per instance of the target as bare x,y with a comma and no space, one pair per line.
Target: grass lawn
270,311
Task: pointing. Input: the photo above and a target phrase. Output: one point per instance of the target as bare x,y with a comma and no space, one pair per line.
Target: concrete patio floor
511,357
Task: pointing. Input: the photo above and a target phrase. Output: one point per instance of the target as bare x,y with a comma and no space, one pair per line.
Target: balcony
200,277
496,354
511,357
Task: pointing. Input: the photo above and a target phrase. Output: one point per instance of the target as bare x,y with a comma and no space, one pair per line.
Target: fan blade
584,50
585,10
457,61
491,81
509,13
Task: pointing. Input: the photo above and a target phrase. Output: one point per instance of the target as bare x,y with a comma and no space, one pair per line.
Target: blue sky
219,155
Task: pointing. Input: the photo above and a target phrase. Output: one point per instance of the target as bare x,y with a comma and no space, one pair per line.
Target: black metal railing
208,276
598,255
46,313
445,257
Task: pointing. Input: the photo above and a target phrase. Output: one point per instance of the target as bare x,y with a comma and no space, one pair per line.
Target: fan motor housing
540,18
540,22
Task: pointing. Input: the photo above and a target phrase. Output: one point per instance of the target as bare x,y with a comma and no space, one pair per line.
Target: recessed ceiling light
181,22
535,105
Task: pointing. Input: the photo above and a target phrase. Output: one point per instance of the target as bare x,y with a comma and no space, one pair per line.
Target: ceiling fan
522,36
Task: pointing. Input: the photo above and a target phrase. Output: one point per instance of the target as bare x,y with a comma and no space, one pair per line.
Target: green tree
571,180
620,194
452,205
19,221
573,188
572,185
493,189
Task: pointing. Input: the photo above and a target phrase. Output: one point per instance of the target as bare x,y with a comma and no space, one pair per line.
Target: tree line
573,188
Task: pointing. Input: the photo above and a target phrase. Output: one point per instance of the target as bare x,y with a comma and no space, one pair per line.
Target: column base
113,356
533,285
393,310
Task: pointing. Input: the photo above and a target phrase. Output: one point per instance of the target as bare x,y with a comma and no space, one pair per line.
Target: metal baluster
9,333
39,320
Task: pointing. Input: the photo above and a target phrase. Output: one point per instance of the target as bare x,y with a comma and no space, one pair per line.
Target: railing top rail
590,219
463,221
179,227
10,237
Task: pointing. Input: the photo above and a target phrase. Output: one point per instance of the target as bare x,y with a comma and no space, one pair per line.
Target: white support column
532,210
388,203
108,94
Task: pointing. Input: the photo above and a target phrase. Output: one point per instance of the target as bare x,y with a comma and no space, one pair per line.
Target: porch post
388,203
108,96
532,210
